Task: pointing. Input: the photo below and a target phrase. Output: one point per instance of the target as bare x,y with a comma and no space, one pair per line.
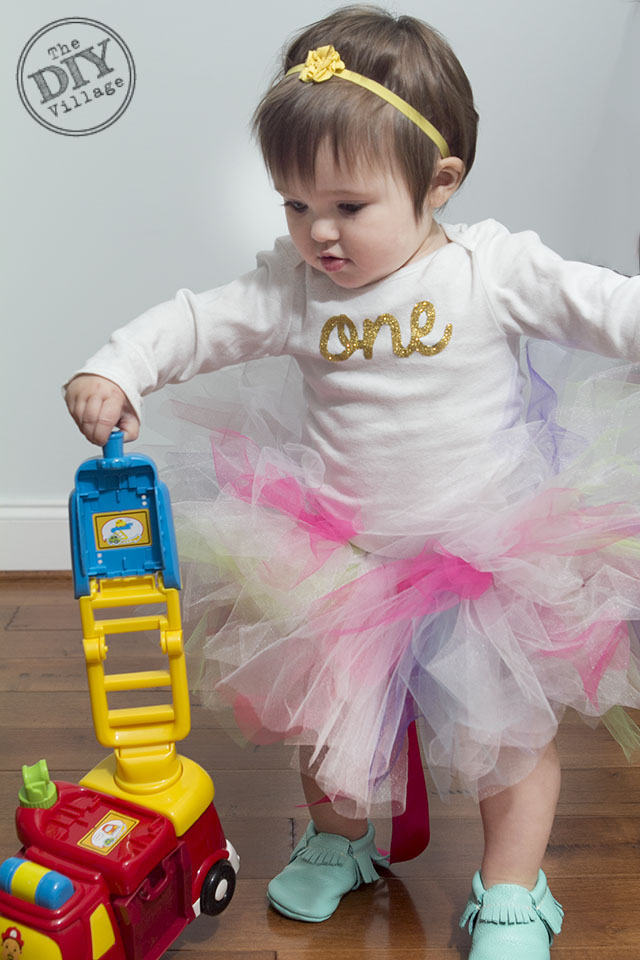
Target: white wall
97,228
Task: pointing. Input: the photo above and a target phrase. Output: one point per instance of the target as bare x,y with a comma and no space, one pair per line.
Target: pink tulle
558,522
428,583
390,595
593,651
236,460
481,614
380,640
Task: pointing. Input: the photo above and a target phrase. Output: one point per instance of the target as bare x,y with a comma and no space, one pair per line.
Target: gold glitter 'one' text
348,334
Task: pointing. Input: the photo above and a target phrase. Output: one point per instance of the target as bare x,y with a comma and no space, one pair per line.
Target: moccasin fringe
317,853
367,872
334,851
551,911
495,911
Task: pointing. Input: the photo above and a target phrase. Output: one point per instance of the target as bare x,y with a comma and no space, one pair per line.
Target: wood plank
35,589
388,953
63,615
191,942
400,953
212,748
62,709
373,916
455,850
412,913
212,954
9,843
33,645
419,915
37,576
600,792
50,674
263,852
580,746
240,794
576,844
7,613
74,746
251,793
588,792
36,644
573,718
63,671
405,918
561,952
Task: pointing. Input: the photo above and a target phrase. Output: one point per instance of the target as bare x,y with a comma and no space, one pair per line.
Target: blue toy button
7,870
53,891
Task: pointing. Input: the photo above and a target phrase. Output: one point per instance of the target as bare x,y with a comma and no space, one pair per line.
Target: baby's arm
174,341
98,405
535,293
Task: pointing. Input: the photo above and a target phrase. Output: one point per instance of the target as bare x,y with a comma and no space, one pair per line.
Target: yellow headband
325,62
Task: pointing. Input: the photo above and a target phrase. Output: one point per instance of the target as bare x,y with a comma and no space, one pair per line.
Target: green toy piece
38,790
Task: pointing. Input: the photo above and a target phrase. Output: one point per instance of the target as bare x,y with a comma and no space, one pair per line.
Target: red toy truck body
114,868
131,884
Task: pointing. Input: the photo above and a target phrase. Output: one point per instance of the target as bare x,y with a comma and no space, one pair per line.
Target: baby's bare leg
325,818
517,823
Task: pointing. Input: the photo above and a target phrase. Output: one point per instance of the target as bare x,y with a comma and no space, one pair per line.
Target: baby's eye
295,205
351,207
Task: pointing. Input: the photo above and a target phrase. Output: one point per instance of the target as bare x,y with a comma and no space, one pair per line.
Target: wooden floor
593,861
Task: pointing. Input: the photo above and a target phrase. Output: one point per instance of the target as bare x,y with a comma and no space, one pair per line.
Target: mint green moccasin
509,922
323,867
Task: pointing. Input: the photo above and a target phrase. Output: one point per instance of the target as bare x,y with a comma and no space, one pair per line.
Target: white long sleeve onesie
407,380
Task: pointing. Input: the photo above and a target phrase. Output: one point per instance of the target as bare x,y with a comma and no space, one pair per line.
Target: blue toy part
120,519
7,870
39,885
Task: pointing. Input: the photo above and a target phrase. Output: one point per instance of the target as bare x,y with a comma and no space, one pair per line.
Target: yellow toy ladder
144,766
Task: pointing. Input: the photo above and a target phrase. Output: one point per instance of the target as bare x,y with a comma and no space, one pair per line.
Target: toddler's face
357,226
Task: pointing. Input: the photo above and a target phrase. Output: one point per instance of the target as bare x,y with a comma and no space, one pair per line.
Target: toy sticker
122,529
19,942
107,834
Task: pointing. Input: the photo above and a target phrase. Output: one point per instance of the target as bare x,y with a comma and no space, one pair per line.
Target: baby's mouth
331,263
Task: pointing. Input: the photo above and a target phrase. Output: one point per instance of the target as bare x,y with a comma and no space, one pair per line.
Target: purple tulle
496,612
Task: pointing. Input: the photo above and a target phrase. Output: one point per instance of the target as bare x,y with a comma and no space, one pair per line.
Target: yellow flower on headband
321,64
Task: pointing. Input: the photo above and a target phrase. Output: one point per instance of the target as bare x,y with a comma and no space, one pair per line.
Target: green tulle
193,650
625,730
202,549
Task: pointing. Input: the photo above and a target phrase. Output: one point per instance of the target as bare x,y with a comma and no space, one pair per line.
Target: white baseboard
34,537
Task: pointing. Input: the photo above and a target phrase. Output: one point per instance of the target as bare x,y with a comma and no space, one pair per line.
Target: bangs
293,126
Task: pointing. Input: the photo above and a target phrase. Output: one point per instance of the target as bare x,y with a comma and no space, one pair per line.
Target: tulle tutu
485,623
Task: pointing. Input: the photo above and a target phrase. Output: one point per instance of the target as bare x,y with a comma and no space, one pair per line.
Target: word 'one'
348,334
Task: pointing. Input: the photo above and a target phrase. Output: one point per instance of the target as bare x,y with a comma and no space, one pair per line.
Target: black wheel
217,888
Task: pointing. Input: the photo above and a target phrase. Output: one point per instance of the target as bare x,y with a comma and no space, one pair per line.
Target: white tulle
506,599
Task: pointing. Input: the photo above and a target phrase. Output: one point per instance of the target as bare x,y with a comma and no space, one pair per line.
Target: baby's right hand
98,405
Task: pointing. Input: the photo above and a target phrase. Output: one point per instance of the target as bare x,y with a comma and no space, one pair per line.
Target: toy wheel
217,888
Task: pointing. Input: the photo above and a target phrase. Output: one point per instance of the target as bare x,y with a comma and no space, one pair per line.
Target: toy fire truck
115,867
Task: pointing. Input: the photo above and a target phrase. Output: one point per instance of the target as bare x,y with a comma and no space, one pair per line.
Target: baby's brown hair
403,54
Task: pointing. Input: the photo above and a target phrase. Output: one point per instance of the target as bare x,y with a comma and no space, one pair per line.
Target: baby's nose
324,230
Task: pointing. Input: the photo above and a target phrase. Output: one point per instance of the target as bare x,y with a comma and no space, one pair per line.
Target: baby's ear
448,176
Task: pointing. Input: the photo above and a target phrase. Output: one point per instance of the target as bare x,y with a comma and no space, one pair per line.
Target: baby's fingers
130,426
76,405
98,418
